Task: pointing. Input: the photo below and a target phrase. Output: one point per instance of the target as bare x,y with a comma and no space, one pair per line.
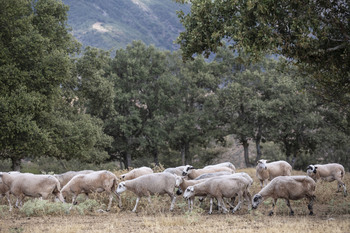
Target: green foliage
313,33
37,207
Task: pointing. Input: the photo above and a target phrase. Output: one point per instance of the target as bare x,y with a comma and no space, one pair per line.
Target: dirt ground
177,222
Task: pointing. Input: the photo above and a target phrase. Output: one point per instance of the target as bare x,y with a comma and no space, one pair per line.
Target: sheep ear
192,189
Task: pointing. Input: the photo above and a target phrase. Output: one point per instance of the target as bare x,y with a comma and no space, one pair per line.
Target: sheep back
137,172
290,187
159,183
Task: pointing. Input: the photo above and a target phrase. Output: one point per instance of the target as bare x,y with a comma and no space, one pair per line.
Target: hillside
112,24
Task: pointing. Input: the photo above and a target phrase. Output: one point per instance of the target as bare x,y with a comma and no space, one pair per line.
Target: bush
37,207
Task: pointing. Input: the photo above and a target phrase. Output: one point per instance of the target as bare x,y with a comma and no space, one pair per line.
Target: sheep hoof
291,213
271,213
311,213
209,212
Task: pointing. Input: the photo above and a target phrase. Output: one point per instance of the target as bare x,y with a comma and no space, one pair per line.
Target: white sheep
225,164
219,188
150,184
64,178
175,170
27,184
268,171
193,173
214,174
136,173
287,188
5,190
184,185
328,172
98,181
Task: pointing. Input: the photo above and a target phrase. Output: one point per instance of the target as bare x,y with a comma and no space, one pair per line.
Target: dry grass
332,214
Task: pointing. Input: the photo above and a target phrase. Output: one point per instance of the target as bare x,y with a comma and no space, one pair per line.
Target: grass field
332,214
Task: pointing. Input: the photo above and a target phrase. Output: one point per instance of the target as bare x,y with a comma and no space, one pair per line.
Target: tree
313,33
190,121
134,124
36,112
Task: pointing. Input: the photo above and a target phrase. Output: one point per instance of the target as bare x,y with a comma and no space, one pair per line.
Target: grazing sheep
183,186
64,178
27,184
225,164
175,170
268,171
210,175
98,181
136,173
193,173
287,188
219,188
328,172
150,184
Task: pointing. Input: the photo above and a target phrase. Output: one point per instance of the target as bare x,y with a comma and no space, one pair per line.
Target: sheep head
189,192
121,188
257,199
187,170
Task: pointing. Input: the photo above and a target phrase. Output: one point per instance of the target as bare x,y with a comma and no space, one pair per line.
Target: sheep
225,164
97,181
5,190
219,187
151,184
136,173
183,186
287,188
214,174
27,184
64,178
175,170
328,172
194,173
268,171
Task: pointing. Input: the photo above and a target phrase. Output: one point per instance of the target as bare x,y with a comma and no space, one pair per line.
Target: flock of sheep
218,182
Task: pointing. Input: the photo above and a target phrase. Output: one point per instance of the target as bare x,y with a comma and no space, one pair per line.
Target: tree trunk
246,151
188,158
16,164
257,143
155,156
183,155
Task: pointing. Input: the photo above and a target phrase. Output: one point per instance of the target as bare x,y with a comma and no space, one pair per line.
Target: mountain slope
112,24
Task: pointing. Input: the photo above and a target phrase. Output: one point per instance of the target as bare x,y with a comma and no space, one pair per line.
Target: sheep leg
9,200
273,206
221,204
290,208
110,201
261,183
119,199
248,196
309,206
239,203
19,201
137,201
340,183
211,206
173,199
